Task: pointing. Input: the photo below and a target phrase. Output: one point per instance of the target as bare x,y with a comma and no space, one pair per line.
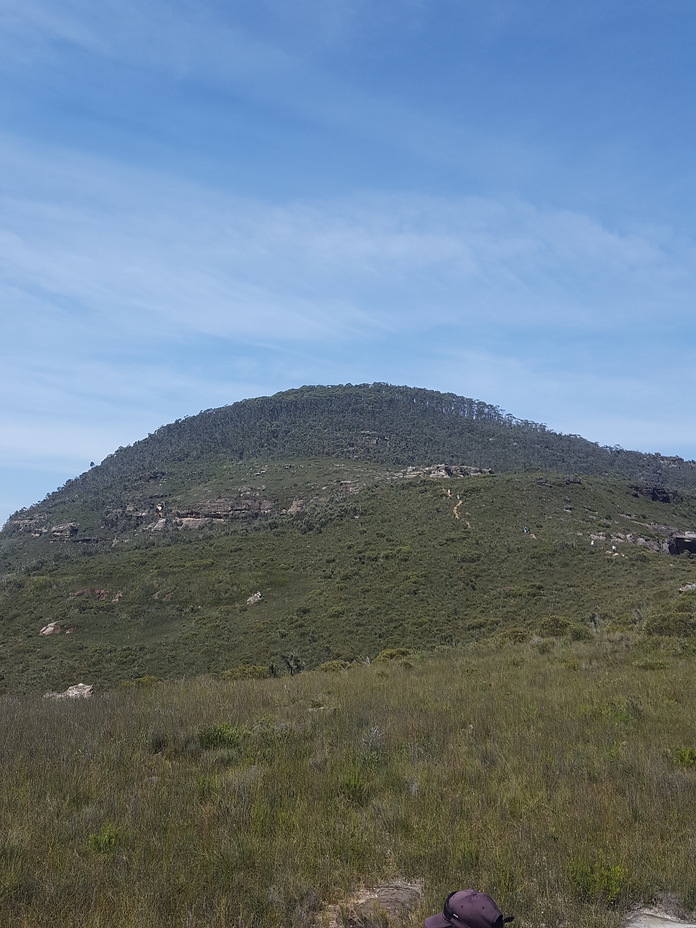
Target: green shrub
391,654
597,880
333,666
684,757
352,785
106,841
671,621
515,634
554,626
651,663
222,735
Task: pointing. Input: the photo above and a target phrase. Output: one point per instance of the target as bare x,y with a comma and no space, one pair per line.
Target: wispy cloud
176,258
114,280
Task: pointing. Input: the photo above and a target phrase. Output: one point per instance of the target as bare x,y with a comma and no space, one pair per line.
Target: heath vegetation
557,775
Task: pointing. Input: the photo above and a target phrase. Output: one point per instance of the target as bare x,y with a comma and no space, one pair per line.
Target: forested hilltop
389,425
379,423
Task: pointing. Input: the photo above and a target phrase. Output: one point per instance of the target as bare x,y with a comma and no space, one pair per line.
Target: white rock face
53,628
78,691
655,918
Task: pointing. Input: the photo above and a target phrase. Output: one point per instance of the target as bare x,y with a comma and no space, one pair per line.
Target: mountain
367,517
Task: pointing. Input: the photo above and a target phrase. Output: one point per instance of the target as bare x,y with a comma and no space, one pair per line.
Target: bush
106,840
222,735
651,663
554,626
598,880
392,654
353,786
333,666
684,757
515,634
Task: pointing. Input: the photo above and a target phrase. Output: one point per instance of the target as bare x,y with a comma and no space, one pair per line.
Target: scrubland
558,776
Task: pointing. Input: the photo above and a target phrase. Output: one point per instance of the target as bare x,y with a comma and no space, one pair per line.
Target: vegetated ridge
368,517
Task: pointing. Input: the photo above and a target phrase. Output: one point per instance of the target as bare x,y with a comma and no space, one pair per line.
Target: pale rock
53,628
78,691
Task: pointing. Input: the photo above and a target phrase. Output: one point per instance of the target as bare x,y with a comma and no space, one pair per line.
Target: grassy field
558,776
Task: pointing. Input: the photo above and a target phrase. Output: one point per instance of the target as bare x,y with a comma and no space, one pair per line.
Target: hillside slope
410,561
328,502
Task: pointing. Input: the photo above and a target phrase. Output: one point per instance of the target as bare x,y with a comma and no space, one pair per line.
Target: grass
547,776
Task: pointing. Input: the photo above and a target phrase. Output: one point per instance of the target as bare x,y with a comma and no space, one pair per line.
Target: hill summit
377,423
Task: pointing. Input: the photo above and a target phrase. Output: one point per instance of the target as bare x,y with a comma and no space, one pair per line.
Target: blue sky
206,201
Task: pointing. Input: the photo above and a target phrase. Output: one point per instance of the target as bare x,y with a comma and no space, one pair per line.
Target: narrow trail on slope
456,513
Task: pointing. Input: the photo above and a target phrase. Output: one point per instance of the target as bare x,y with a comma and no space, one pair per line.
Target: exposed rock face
455,470
247,503
388,903
35,527
190,523
655,493
681,542
78,691
53,628
66,530
656,918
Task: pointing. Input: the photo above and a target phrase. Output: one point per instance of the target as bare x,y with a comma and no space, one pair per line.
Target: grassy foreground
558,777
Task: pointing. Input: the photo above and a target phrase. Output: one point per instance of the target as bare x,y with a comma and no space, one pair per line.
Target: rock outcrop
53,628
78,691
681,542
656,494
656,918
66,530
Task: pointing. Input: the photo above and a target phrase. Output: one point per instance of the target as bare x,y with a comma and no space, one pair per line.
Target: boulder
53,628
78,691
66,530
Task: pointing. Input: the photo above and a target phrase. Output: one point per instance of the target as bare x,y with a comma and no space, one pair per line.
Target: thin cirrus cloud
129,279
180,258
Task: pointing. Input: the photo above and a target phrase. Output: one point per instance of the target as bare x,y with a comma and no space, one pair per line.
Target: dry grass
547,776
